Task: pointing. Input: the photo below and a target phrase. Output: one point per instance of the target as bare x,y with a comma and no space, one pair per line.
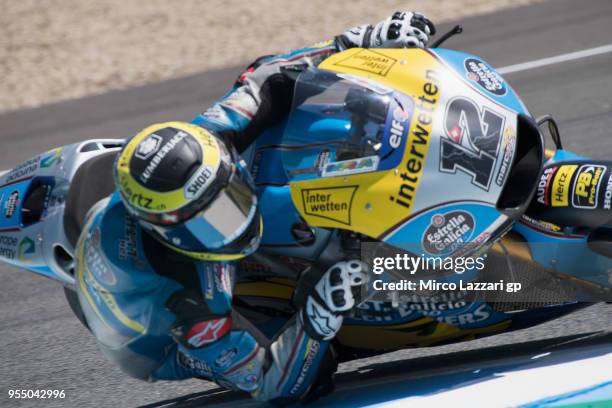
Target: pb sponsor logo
368,61
544,185
561,185
332,203
586,186
447,232
485,77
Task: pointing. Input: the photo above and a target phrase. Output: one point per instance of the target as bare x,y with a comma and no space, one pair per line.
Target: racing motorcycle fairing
33,198
378,140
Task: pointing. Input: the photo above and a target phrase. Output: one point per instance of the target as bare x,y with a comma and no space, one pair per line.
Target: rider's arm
262,95
221,345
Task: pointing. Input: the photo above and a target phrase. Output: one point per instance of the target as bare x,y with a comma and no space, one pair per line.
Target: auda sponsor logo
544,184
447,232
198,182
480,73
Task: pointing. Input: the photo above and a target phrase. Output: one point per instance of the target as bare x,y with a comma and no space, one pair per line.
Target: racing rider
156,260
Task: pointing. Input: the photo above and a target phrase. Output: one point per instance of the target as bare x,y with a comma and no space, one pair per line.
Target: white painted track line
555,60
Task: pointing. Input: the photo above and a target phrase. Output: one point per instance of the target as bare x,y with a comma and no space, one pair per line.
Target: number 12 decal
471,140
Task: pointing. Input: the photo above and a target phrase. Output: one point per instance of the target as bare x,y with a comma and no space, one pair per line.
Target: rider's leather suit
161,315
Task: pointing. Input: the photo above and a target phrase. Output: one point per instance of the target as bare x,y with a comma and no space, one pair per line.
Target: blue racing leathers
262,94
160,315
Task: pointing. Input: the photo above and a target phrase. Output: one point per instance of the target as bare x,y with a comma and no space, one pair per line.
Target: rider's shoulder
111,247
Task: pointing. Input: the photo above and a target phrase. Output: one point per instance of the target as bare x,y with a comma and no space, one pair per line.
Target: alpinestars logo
148,147
208,331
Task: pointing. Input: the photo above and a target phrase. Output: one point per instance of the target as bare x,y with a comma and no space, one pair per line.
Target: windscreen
341,124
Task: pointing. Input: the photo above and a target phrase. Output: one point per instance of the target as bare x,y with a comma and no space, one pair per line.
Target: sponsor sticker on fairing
352,166
561,185
11,204
447,232
333,203
485,77
509,147
23,170
8,246
607,201
544,185
586,186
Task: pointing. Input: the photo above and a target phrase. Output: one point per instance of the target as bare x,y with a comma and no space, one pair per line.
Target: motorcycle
376,143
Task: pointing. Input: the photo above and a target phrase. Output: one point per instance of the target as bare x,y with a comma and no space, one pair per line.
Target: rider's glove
401,30
332,296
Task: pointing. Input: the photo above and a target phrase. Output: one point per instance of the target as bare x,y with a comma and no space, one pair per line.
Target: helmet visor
224,219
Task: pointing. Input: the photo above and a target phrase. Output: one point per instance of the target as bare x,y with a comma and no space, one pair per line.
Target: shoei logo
148,146
447,232
198,183
208,331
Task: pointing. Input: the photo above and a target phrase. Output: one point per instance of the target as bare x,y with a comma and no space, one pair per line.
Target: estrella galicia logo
11,204
448,232
484,76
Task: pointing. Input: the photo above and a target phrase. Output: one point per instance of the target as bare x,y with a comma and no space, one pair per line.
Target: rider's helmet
190,191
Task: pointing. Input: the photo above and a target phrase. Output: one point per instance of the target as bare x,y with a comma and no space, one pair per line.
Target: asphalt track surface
42,346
